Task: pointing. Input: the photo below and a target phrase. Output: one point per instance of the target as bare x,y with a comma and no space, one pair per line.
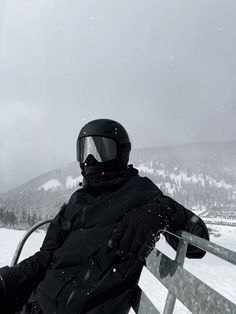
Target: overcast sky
165,69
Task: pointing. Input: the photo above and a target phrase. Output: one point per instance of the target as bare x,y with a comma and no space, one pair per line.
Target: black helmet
103,145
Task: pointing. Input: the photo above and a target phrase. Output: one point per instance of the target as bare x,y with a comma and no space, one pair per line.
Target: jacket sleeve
17,282
186,220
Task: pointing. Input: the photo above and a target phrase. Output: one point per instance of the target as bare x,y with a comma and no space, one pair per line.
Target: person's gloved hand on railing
136,234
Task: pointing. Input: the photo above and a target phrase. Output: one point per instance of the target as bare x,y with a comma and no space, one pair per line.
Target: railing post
179,259
25,237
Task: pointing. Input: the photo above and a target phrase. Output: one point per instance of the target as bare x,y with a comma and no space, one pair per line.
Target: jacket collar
108,180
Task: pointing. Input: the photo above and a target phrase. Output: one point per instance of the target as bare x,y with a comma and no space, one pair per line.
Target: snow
160,172
52,184
145,169
169,187
9,239
219,184
183,177
219,220
73,182
217,273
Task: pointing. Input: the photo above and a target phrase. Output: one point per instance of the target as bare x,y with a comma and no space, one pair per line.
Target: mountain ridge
201,176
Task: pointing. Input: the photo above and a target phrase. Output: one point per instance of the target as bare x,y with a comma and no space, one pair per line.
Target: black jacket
75,270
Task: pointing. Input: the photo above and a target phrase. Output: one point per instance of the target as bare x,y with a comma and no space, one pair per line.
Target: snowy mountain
42,196
201,176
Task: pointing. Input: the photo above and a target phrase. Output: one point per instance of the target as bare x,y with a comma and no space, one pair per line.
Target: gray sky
165,69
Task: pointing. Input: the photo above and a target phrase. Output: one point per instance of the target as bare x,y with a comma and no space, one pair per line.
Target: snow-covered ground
218,274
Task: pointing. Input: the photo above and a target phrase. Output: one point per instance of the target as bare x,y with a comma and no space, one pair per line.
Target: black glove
138,231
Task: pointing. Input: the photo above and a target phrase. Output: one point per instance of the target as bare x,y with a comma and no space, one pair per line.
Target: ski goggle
102,148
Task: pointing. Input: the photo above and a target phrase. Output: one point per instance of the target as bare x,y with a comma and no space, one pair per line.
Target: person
95,247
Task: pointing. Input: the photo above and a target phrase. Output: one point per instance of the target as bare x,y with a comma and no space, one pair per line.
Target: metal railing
193,293
21,244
